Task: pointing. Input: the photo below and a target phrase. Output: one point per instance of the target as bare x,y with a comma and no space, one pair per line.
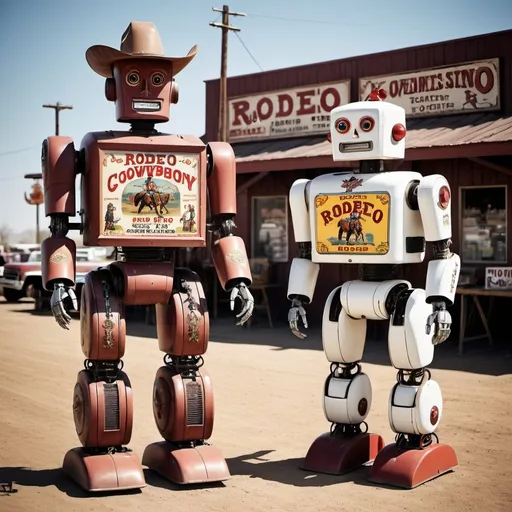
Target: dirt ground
268,399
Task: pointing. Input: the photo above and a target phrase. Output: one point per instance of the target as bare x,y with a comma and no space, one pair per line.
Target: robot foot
116,471
336,454
189,465
409,466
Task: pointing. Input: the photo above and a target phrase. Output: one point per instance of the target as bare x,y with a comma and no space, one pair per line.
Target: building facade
459,124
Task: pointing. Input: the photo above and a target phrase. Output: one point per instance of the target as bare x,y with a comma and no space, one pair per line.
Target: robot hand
296,310
242,292
61,293
442,322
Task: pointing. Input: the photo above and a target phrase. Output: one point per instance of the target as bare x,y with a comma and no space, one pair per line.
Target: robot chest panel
357,217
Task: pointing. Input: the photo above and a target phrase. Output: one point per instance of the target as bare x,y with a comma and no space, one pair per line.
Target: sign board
465,88
285,113
149,194
352,223
498,278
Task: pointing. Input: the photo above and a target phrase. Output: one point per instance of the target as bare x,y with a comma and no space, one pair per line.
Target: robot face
368,130
142,90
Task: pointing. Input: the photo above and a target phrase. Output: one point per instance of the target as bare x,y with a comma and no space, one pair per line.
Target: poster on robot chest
149,194
352,223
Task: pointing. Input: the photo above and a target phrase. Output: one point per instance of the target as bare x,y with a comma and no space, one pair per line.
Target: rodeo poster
352,223
148,194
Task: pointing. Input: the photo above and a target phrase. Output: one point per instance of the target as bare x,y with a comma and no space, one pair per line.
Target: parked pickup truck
24,279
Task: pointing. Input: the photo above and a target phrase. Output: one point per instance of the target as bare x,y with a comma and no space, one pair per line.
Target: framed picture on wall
269,228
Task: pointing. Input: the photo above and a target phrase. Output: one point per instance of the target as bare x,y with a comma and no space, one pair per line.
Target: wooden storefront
470,145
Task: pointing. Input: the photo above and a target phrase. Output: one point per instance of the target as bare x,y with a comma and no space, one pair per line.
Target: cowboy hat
140,40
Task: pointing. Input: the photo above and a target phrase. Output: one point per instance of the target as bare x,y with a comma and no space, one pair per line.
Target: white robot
376,220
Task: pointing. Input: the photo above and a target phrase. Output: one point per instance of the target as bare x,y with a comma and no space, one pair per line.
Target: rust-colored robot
145,193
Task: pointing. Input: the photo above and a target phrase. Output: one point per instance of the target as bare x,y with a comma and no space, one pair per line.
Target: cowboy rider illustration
150,188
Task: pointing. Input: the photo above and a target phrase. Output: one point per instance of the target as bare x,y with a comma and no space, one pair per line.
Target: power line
13,151
247,50
306,21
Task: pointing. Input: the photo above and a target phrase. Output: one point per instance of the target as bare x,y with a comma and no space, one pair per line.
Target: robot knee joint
347,398
415,409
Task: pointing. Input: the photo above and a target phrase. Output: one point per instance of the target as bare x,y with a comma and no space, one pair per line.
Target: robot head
139,77
368,130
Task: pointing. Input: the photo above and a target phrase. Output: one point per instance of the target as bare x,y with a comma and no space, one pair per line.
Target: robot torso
365,218
143,190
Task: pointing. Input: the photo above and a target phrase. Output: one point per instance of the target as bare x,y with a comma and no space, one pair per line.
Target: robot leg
415,402
102,398
182,393
347,396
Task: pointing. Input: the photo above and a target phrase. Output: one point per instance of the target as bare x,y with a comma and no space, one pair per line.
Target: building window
270,228
484,224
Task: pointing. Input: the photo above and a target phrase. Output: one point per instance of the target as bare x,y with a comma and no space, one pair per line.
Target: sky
43,44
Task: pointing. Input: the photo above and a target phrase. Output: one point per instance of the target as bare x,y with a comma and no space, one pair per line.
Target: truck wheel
12,295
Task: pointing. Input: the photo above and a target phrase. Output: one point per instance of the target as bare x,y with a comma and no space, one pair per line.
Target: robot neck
371,166
143,126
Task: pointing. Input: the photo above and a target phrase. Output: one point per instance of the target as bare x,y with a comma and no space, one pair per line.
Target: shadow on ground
26,477
288,471
12,478
478,357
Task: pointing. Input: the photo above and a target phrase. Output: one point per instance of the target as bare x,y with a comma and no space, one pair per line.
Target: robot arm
228,252
58,252
434,202
303,272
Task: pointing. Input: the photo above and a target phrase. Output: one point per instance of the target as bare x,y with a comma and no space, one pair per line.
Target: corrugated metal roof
421,133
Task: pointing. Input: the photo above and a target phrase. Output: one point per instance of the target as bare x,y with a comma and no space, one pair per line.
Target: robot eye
132,78
157,78
342,125
367,123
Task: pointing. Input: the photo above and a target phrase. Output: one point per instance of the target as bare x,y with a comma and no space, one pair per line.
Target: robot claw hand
442,322
242,292
297,310
59,295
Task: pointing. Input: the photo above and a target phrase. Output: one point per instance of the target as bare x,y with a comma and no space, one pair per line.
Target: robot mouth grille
354,147
146,106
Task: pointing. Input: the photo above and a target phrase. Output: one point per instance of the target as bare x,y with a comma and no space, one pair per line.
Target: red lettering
326,215
240,113
177,175
333,96
160,159
281,110
305,106
129,159
393,88
367,208
171,160
269,108
139,158
377,216
347,207
336,210
112,186
158,171
357,206
489,80
130,173
122,176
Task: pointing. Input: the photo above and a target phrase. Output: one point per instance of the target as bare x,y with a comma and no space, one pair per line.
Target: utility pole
223,96
58,107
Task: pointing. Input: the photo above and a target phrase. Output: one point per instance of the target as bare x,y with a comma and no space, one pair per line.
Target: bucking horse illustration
158,200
